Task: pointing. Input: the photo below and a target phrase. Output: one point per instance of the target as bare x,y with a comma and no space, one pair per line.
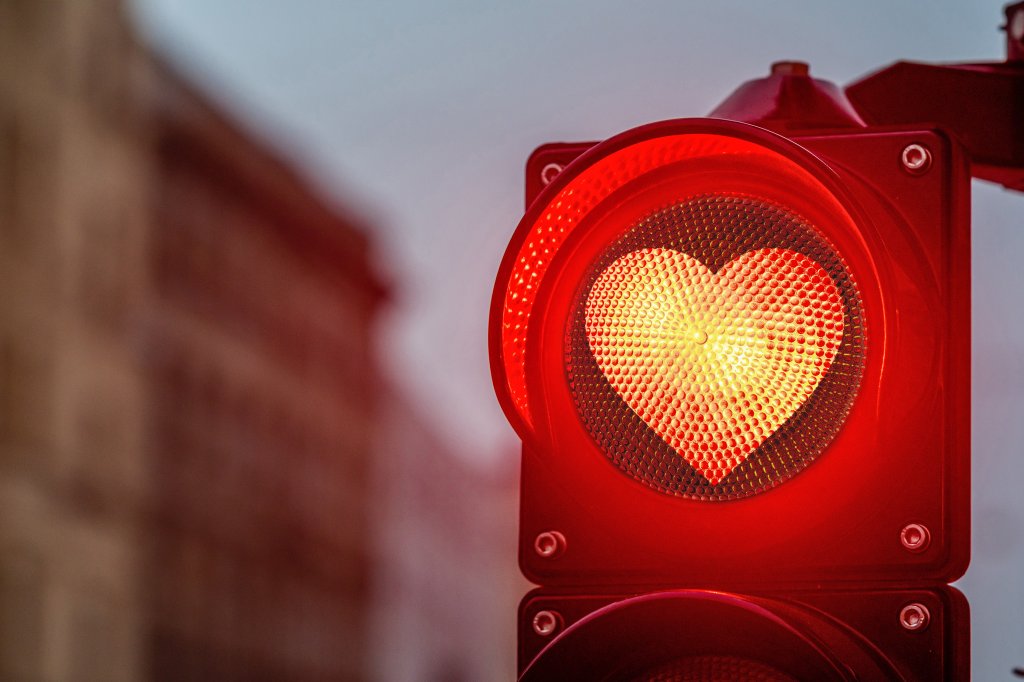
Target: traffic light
737,353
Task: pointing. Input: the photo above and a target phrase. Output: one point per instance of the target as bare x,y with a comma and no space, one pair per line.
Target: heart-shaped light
715,363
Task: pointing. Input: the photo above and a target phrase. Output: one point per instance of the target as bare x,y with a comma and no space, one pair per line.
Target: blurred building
187,395
447,579
264,396
75,177
202,476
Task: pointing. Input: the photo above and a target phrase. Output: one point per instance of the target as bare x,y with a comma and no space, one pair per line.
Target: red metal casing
810,634
901,457
981,103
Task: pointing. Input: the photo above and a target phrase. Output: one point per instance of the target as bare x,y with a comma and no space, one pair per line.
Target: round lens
715,349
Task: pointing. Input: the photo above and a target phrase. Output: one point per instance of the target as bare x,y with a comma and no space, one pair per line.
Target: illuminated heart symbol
715,363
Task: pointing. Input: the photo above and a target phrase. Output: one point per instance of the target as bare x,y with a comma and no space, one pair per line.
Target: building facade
75,173
187,393
203,475
264,396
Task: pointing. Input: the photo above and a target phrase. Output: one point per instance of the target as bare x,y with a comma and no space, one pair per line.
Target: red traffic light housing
737,352
737,358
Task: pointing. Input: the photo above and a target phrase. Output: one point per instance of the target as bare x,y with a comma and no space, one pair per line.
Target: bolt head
549,172
916,159
549,544
547,623
790,68
915,617
915,537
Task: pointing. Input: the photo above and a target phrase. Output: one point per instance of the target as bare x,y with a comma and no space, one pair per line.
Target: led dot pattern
713,669
561,217
714,362
715,349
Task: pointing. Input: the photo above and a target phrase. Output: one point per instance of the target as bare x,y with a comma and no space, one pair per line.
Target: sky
419,117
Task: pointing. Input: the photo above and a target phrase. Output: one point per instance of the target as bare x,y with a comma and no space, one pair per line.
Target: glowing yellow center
715,363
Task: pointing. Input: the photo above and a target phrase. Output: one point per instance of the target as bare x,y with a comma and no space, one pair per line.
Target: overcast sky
421,115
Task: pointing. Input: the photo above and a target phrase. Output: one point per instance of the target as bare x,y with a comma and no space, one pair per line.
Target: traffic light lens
714,363
715,349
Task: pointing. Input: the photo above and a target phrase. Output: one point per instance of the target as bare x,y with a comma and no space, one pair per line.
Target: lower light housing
697,635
